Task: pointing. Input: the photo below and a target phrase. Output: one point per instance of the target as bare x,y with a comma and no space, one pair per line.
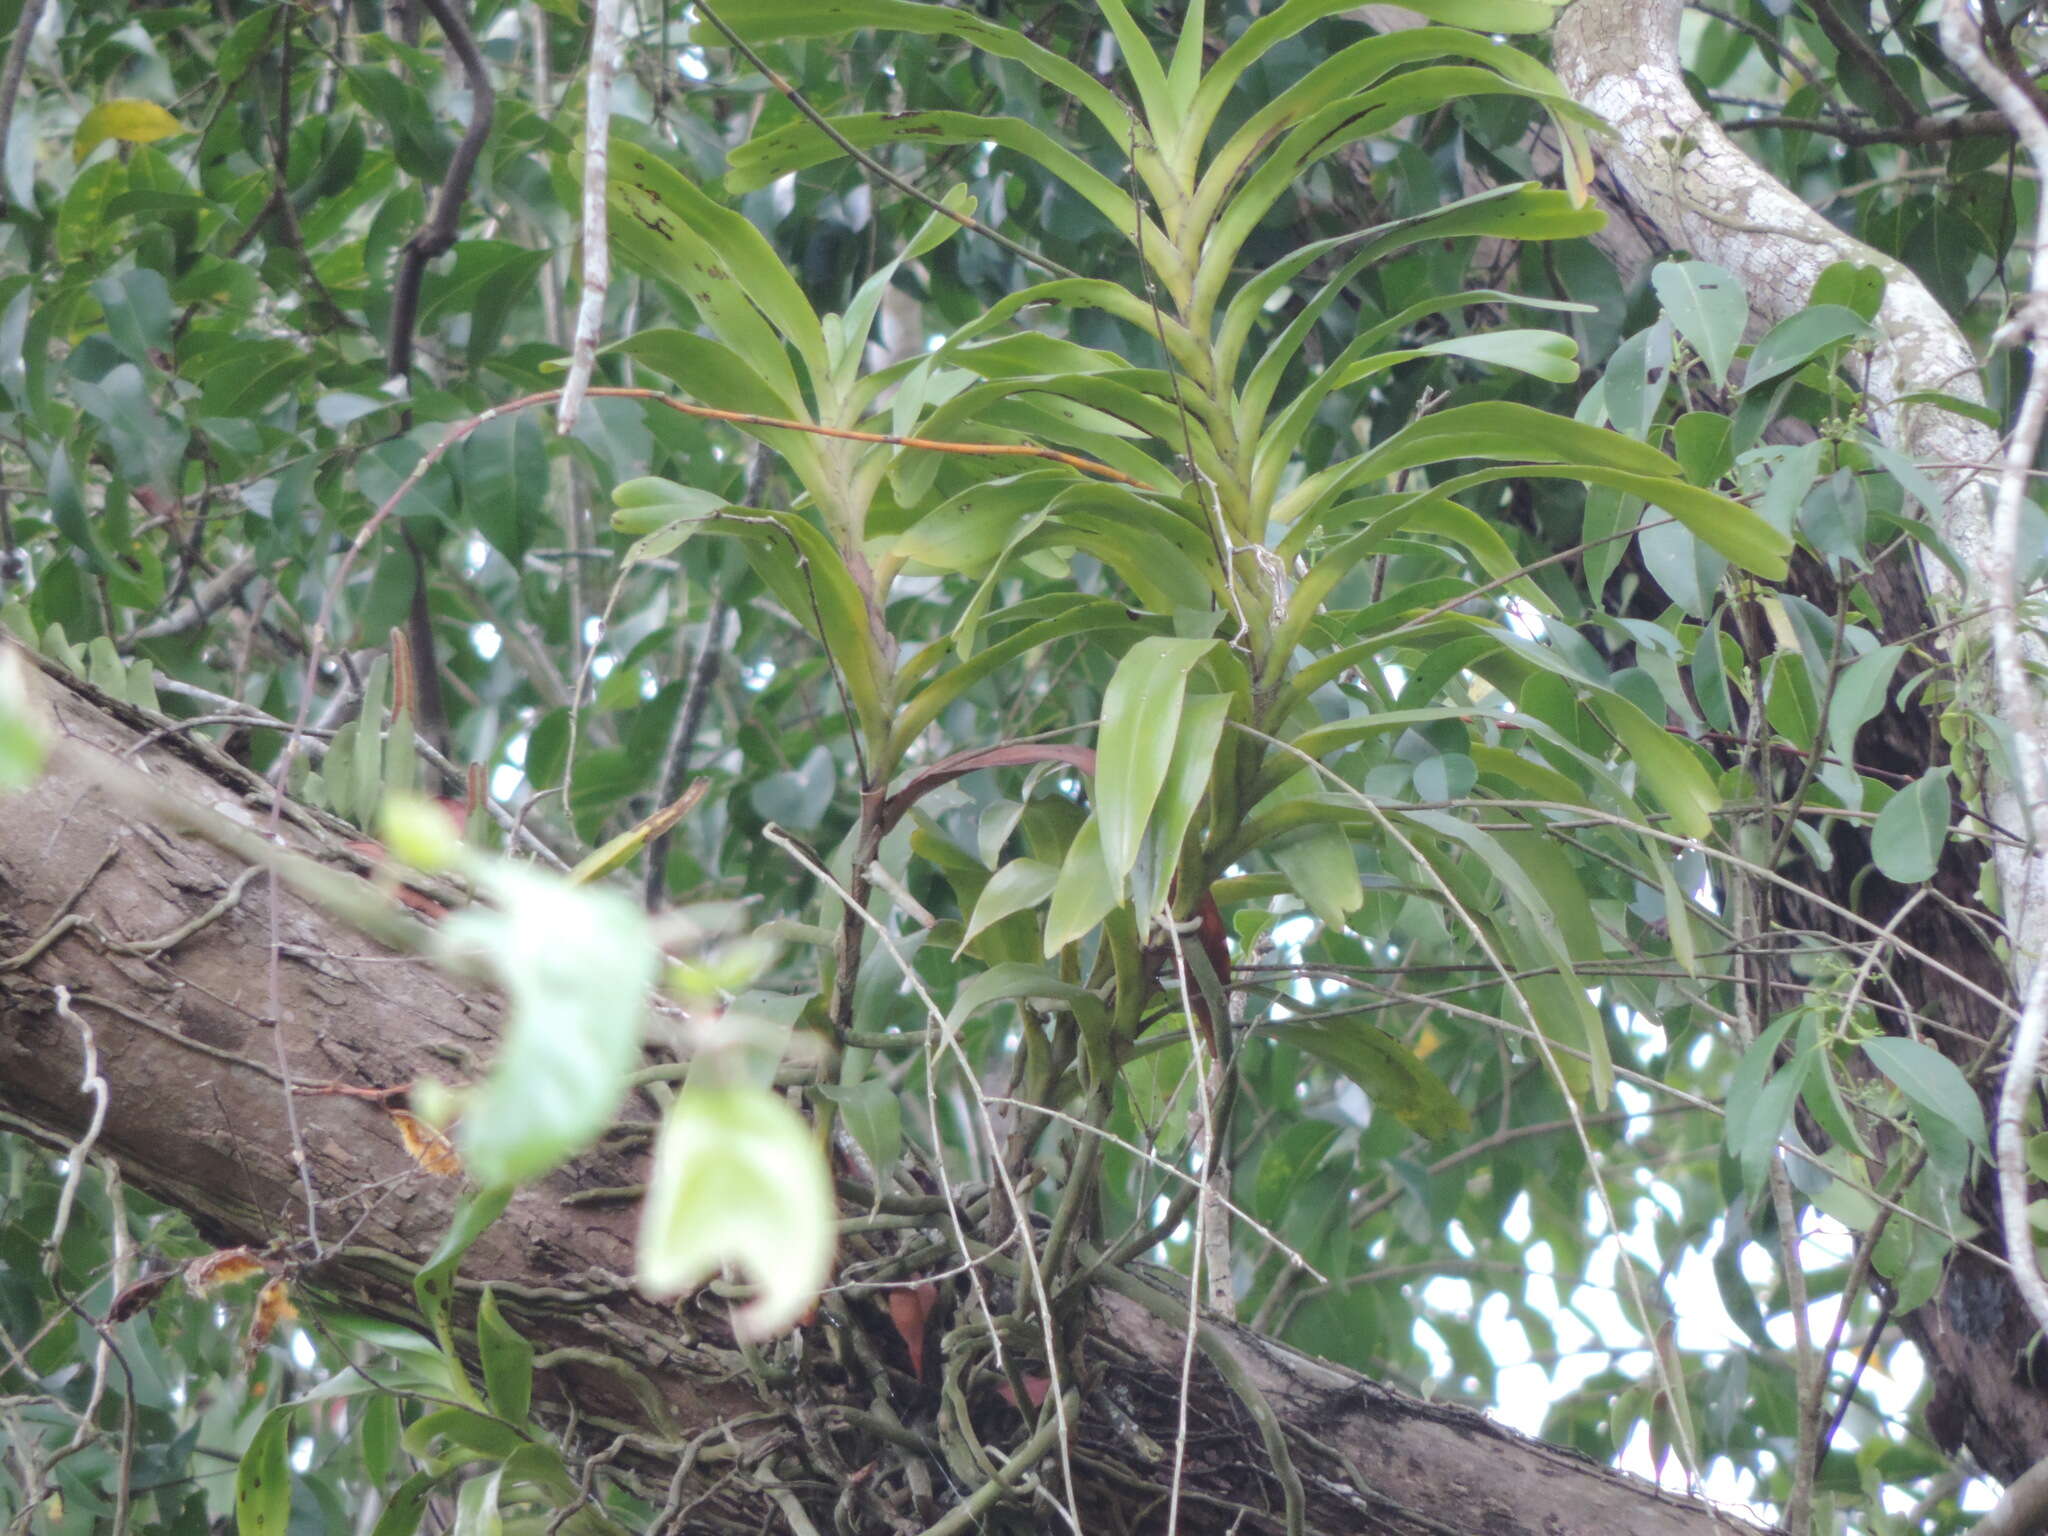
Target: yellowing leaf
738,1180
129,120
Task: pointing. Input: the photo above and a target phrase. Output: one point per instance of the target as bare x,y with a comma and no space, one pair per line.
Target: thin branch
597,257
1922,130
438,233
1963,43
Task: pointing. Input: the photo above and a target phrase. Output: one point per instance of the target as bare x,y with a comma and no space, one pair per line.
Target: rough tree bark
196,1117
1671,169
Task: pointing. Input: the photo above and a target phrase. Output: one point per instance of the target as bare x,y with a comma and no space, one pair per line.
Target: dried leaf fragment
224,1266
273,1306
426,1146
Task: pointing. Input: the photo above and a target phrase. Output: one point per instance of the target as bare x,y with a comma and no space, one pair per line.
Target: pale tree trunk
1675,170
1620,58
134,940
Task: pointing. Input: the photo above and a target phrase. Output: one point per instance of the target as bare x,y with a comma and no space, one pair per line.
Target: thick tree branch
194,1116
2016,690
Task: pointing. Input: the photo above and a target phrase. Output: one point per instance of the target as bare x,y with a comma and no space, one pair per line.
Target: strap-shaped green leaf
1393,1076
1187,780
1086,617
766,20
665,224
1013,981
1291,17
802,144
1340,123
1141,712
1523,211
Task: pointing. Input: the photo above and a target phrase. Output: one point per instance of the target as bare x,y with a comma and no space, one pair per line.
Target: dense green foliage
1378,759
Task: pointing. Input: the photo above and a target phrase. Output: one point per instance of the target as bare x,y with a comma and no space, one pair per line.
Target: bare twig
597,256
1924,130
1963,43
435,236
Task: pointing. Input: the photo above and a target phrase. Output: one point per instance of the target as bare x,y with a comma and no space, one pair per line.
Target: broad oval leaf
1907,839
1794,342
1932,1083
1709,307
129,120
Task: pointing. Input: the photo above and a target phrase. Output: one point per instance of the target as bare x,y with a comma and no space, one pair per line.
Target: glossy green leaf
1012,982
1709,307
1541,354
1667,765
799,145
461,1430
1319,863
1018,886
1082,617
1907,839
1141,711
1854,286
664,224
1187,780
1859,697
1085,893
711,372
434,1284
476,1506
764,20
873,1116
507,1361
407,1505
1932,1083
1794,342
